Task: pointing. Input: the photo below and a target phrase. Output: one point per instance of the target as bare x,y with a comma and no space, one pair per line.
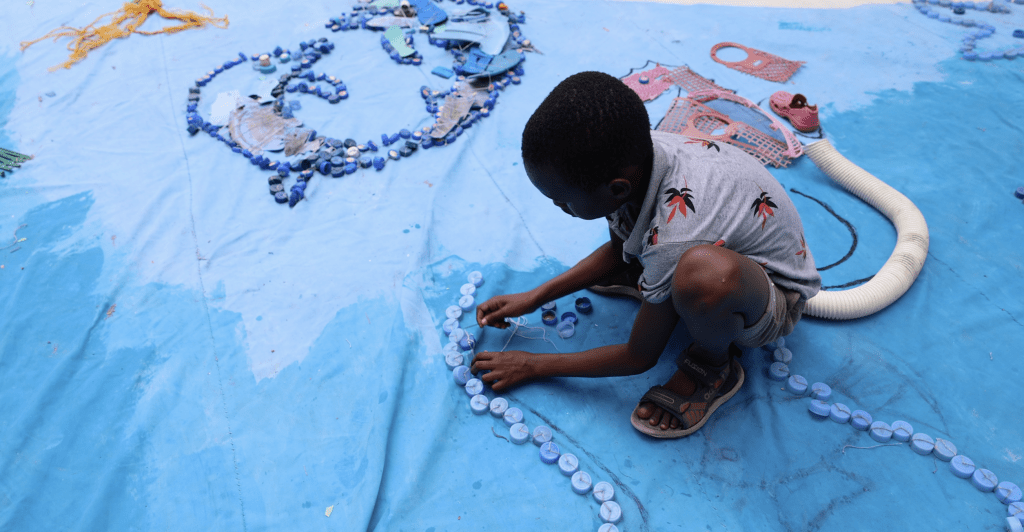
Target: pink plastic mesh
691,81
693,119
653,88
761,64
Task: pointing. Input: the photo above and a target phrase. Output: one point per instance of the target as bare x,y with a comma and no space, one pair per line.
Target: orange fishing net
123,23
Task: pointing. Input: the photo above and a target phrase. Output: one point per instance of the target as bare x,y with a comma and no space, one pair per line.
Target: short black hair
589,128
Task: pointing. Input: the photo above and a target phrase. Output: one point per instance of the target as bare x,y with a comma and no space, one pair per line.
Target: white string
521,321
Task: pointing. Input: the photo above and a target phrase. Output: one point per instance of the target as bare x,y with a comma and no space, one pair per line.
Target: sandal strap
705,375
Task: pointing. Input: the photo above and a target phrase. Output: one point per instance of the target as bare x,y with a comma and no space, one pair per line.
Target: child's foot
684,404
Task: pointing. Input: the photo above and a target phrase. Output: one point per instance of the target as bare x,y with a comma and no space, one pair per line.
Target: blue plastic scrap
443,72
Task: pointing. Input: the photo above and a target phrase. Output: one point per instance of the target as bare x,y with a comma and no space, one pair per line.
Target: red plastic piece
760,64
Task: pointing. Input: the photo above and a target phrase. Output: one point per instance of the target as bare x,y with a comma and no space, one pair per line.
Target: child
718,243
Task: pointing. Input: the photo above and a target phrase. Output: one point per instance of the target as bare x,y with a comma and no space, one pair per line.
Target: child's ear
620,188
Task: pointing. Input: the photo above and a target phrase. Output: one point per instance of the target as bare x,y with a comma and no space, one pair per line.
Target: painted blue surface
178,352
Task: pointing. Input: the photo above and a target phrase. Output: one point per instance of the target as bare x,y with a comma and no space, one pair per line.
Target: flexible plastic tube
907,259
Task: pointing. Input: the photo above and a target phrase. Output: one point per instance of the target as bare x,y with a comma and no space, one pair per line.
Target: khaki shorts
785,307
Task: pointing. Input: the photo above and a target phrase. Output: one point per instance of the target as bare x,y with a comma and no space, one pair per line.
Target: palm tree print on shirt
803,248
652,238
763,207
708,144
680,200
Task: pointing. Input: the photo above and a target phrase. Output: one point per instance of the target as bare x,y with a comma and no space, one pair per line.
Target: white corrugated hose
907,259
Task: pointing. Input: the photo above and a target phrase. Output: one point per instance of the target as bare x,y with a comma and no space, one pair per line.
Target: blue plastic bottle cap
780,342
1018,33
603,492
839,413
944,449
778,371
468,289
478,404
1019,193
520,433
962,466
782,355
352,152
1008,492
608,527
822,391
1014,525
498,406
610,512
541,435
467,342
984,480
796,385
568,464
549,317
644,80
550,305
549,452
860,419
819,408
565,329
461,374
450,325
458,333
453,360
583,305
902,431
880,431
569,317
475,278
474,387
466,303
1016,511
512,416
581,483
453,312
922,443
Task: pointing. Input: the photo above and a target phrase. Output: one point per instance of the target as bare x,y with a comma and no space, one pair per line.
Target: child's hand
504,370
494,311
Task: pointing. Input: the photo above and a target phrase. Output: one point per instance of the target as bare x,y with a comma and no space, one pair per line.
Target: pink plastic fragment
691,118
757,63
691,81
655,85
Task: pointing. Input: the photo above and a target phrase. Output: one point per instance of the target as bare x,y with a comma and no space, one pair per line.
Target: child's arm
651,331
603,262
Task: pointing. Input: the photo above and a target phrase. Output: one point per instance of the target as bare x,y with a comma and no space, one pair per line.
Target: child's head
588,144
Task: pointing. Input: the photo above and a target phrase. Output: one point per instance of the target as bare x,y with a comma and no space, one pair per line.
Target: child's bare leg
717,293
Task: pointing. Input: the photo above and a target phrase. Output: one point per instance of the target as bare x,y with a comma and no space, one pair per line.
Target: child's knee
705,274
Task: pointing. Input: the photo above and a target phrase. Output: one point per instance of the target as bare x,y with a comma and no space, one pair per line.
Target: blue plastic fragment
519,433
902,431
541,435
582,483
568,464
498,406
822,391
549,452
478,404
474,387
443,72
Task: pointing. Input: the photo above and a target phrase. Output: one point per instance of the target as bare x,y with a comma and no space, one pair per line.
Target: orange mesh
123,23
693,119
760,64
691,81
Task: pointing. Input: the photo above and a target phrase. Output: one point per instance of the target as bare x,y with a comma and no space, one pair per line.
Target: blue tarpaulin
180,352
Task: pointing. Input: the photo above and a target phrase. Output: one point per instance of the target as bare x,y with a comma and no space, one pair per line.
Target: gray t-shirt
707,193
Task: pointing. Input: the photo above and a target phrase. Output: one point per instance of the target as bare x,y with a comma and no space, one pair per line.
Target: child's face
575,201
